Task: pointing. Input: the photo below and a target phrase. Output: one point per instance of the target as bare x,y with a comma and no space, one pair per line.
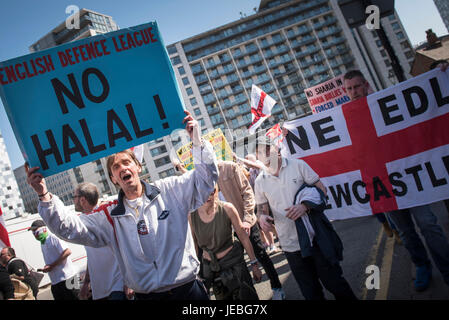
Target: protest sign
387,151
326,95
84,100
221,147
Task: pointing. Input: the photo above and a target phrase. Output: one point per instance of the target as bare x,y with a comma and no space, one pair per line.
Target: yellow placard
221,147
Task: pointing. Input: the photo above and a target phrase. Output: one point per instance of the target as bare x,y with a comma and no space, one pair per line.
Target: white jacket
173,261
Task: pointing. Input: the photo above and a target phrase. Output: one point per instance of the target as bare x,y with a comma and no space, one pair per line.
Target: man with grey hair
102,273
309,242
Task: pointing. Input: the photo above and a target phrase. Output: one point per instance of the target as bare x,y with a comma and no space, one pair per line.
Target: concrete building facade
443,9
10,198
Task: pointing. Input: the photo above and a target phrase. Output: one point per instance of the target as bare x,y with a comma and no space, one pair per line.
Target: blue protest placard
84,100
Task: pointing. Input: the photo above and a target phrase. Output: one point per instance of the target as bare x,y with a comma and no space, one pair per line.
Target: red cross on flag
387,151
261,105
275,134
4,238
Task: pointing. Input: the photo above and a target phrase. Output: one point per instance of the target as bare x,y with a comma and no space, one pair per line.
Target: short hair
11,252
352,74
111,159
89,191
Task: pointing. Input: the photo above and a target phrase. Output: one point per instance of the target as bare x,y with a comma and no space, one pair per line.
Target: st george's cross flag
4,238
261,105
380,153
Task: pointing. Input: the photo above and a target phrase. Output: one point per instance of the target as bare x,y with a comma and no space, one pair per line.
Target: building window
189,91
409,54
157,151
185,81
175,60
379,43
400,35
197,111
395,25
405,45
171,50
161,161
193,102
181,71
166,173
383,53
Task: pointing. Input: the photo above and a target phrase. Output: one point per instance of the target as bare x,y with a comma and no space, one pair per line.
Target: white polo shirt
279,192
52,250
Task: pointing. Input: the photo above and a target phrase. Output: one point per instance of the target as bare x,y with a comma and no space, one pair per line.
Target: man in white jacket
146,227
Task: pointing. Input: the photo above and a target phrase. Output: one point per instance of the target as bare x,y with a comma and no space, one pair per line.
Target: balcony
330,31
334,41
271,43
196,69
201,78
299,32
205,89
212,111
307,52
328,21
304,41
311,62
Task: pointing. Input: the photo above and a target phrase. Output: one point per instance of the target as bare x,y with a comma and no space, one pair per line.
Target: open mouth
126,177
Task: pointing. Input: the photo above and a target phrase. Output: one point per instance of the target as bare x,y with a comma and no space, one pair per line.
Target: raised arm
194,187
91,230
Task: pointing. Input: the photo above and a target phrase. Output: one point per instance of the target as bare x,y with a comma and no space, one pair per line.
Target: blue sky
24,22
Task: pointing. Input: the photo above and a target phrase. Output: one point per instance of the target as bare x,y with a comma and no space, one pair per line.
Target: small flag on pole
261,105
138,152
4,238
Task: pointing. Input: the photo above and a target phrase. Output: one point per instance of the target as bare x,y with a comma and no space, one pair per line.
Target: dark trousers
193,290
61,292
309,271
263,257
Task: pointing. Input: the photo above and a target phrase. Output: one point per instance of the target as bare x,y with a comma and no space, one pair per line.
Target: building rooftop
428,53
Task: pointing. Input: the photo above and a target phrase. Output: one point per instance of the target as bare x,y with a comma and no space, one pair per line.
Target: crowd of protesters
184,237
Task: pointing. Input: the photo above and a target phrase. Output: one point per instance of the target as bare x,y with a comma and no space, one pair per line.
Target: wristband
253,262
42,195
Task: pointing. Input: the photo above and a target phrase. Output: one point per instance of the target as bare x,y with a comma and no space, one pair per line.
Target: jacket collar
150,191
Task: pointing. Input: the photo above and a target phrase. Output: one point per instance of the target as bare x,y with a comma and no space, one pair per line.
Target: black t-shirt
6,287
19,268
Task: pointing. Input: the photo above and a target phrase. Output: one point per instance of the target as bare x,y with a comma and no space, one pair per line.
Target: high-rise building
443,8
10,199
91,23
287,46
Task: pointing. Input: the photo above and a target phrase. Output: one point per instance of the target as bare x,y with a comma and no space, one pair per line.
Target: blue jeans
382,217
432,232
